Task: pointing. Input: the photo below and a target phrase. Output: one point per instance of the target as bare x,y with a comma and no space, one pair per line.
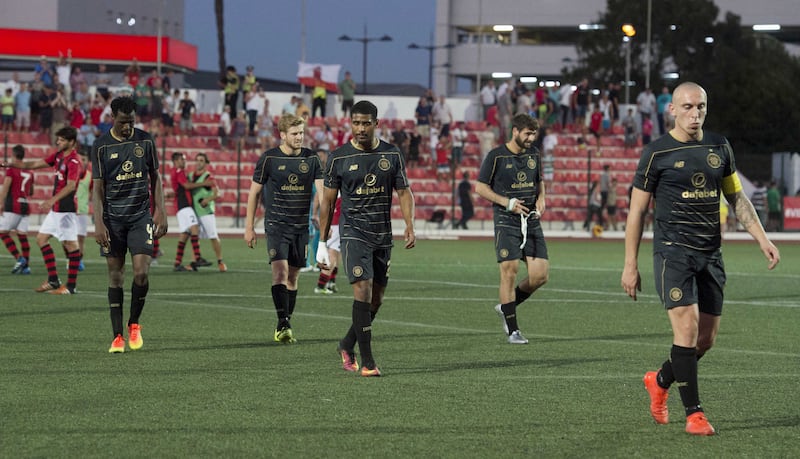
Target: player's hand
250,237
631,282
101,236
515,206
410,238
160,225
323,258
772,254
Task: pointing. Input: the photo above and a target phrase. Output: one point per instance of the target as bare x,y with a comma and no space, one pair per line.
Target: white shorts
335,242
83,224
62,225
186,219
11,221
208,227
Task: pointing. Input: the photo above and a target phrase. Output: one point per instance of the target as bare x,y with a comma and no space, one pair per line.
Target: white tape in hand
322,254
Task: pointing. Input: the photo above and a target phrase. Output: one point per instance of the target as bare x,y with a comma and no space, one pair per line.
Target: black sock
520,296
684,365
292,296
348,343
362,324
666,377
510,314
138,295
280,297
115,298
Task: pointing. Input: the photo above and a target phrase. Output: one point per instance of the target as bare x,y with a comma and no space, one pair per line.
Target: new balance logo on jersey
679,164
354,167
114,156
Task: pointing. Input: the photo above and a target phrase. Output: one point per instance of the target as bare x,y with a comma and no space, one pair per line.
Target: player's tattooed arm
743,209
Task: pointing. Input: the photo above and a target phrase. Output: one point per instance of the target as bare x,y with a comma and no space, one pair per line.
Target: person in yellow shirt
319,96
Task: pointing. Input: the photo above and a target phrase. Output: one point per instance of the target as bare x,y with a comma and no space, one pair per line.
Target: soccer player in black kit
125,173
366,171
283,179
687,171
511,178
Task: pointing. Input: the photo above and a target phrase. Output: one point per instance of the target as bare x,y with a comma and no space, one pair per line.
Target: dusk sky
268,35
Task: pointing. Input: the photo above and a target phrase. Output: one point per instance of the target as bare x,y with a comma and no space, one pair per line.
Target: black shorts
288,246
508,240
685,277
612,210
347,105
136,237
364,263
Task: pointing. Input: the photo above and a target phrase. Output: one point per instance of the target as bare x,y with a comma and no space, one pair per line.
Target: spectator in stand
319,95
646,103
64,72
44,71
22,108
565,103
443,114
142,98
290,106
239,130
302,109
458,136
549,142
606,108
187,108
414,141
166,80
465,201
759,200
60,113
423,116
102,80
774,207
540,103
266,135
613,97
96,111
87,134
133,72
168,113
76,116
249,81
7,110
347,93
488,97
224,126
662,102
14,84
647,129
631,129
105,125
583,98
230,84
505,108
400,138
76,79
44,103
81,96
255,102
443,149
596,123
156,86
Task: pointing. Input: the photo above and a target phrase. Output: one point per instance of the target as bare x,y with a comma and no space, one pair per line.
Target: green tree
750,77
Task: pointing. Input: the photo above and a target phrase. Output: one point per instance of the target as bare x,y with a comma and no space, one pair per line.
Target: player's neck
375,142
513,147
287,150
115,135
683,136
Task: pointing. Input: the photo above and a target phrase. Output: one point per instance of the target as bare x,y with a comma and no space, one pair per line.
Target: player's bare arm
249,221
70,187
406,198
747,216
159,210
98,197
631,279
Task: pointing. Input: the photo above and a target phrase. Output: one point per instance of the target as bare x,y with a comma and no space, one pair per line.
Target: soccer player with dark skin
365,171
283,181
511,178
686,171
126,181
14,211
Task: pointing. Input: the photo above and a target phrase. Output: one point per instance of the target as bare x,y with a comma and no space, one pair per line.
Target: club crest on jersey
503,253
383,164
531,163
713,159
303,168
138,151
675,294
358,271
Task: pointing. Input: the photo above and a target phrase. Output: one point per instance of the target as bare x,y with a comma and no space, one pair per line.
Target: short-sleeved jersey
68,169
125,166
287,188
199,194
513,176
20,189
366,180
183,197
686,180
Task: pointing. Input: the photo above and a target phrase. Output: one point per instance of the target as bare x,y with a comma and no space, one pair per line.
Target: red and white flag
310,75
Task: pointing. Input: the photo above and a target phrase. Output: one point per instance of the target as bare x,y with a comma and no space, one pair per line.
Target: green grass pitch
209,381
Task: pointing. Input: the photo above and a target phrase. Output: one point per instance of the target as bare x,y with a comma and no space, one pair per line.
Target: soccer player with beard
283,181
686,172
126,180
365,170
61,220
511,178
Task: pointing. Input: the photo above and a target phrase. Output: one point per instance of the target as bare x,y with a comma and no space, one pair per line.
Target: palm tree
219,13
